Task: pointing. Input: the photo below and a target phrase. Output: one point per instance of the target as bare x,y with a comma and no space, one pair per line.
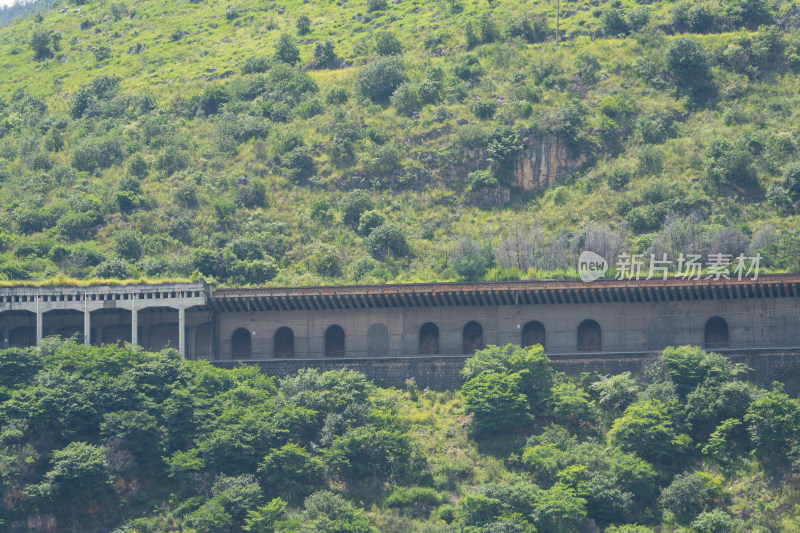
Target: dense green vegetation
303,143
126,440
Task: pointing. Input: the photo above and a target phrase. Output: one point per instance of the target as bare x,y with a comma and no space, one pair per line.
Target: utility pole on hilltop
558,19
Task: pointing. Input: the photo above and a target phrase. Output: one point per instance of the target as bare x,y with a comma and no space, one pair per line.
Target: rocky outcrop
544,161
541,163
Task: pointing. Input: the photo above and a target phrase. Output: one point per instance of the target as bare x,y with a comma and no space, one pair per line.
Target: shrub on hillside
387,44
688,65
385,241
378,80
406,99
324,55
729,164
286,50
303,24
533,29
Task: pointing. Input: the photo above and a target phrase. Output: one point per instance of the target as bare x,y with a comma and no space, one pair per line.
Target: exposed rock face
542,162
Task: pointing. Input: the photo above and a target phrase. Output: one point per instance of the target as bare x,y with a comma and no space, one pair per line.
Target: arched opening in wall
18,328
377,340
716,334
472,337
533,334
429,339
241,344
334,341
65,323
284,342
589,337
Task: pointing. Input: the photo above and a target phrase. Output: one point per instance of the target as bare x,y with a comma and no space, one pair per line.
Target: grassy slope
211,47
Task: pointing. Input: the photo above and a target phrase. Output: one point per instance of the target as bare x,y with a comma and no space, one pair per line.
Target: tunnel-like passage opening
716,334
533,334
334,341
472,337
284,342
429,339
241,344
589,337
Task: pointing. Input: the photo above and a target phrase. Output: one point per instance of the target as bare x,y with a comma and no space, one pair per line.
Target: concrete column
39,322
182,332
134,323
87,322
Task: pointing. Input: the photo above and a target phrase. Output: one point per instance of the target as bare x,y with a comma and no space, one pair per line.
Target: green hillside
117,439
372,141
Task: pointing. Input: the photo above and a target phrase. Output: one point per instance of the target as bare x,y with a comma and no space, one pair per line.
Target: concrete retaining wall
444,372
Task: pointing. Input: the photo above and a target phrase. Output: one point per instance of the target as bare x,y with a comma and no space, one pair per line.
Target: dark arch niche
473,337
241,347
589,337
533,334
284,342
429,339
716,334
334,341
377,340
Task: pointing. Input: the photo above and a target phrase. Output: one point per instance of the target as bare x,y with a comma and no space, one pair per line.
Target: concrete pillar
87,323
39,322
134,323
182,332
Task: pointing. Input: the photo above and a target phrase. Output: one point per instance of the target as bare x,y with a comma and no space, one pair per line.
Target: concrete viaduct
603,317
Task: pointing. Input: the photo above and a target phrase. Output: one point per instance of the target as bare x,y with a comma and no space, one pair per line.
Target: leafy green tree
79,475
128,245
688,65
324,56
353,206
558,510
496,401
613,22
286,50
303,24
750,13
689,366
290,472
368,452
469,260
44,43
530,364
646,430
387,44
406,99
387,240
264,518
368,221
140,432
691,493
377,81
729,164
113,268
326,512
773,420
791,180
17,368
715,521
616,392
